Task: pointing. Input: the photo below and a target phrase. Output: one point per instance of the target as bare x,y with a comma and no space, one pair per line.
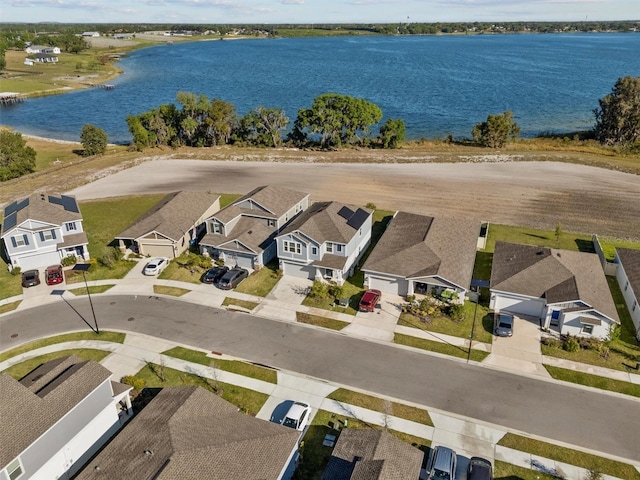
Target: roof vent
97,468
42,197
148,453
539,252
250,232
558,254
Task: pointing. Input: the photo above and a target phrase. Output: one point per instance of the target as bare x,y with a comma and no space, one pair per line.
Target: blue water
438,85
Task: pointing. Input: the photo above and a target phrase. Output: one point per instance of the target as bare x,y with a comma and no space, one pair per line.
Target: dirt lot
486,187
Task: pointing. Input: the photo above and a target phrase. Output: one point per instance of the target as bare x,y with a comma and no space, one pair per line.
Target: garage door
158,250
39,261
300,271
243,261
532,308
386,285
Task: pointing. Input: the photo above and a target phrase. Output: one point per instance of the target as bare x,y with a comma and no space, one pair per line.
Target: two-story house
243,232
325,242
628,275
41,229
57,417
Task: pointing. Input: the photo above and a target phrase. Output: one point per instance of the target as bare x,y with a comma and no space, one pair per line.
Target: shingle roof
34,404
275,200
362,454
72,240
173,216
414,246
249,231
630,260
43,208
188,432
556,275
327,222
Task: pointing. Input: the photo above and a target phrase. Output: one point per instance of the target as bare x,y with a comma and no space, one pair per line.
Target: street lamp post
84,267
473,327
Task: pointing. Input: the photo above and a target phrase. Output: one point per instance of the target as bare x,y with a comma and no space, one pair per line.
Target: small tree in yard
558,232
94,140
496,131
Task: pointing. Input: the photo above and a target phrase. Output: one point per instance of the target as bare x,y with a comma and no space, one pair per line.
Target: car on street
53,275
232,278
155,266
503,324
298,416
479,469
213,275
369,300
30,278
442,464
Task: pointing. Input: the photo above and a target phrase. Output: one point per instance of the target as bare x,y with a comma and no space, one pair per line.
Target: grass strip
439,347
21,369
261,282
105,336
173,291
506,471
320,321
92,290
9,307
570,456
595,381
228,301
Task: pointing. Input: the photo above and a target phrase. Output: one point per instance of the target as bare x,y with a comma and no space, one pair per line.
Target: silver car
442,464
503,324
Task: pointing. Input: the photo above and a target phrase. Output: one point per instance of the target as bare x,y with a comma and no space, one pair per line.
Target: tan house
171,226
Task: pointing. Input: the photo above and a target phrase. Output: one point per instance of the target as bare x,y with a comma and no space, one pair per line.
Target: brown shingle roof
275,200
556,275
188,432
173,216
630,260
372,455
73,240
30,407
249,231
414,246
41,207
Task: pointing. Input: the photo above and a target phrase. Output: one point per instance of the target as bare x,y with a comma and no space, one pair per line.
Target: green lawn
506,471
180,270
595,381
92,290
9,307
105,336
570,456
439,347
10,285
320,321
228,301
173,291
99,272
19,370
262,281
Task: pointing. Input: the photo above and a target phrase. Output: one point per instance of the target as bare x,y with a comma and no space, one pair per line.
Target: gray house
190,433
325,242
372,455
628,275
422,254
243,232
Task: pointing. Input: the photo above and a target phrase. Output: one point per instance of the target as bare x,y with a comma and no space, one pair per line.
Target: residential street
598,421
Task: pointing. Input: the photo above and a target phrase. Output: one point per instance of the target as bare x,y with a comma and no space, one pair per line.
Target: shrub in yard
551,342
371,206
136,382
15,271
571,344
319,289
455,311
336,291
68,261
410,298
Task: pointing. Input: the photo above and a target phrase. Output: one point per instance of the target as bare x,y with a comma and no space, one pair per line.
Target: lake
439,85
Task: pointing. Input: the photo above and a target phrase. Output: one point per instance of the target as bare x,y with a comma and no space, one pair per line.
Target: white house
566,291
628,276
57,417
32,49
90,34
243,232
40,230
423,254
325,242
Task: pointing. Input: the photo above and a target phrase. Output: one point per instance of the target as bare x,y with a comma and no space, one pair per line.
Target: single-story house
566,291
42,49
90,34
372,455
190,433
56,417
45,58
325,242
41,229
419,254
243,232
171,226
628,276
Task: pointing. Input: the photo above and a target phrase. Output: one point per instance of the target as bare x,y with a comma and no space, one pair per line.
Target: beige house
171,226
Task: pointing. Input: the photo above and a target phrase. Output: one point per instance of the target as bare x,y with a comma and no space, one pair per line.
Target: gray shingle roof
323,223
73,240
414,246
191,433
275,200
41,207
372,455
249,231
31,406
556,275
630,260
173,216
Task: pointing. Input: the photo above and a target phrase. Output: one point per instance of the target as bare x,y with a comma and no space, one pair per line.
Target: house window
70,226
329,247
47,235
291,247
14,469
217,228
314,251
588,329
328,273
339,248
20,241
271,222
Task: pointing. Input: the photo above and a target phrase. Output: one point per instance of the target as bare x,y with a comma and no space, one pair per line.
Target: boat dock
9,98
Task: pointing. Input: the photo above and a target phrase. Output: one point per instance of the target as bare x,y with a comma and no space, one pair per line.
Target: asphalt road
590,419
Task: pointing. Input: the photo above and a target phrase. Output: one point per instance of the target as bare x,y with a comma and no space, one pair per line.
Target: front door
555,318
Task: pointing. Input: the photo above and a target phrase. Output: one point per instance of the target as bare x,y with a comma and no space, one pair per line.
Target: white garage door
41,261
532,308
158,250
386,285
244,261
300,271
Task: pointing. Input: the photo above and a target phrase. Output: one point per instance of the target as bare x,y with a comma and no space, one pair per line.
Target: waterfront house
628,276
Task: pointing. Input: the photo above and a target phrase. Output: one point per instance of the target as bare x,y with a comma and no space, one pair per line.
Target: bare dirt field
533,193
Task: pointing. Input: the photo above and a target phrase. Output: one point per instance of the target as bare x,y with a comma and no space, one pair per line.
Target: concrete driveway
290,290
379,324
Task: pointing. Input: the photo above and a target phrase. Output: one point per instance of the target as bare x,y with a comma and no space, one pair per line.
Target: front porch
435,288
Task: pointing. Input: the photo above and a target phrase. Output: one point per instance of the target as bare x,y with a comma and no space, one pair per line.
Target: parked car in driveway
214,274
369,300
232,278
479,469
53,275
503,324
30,278
155,266
442,464
298,416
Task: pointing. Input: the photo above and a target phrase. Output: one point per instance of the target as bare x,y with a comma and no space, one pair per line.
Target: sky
314,11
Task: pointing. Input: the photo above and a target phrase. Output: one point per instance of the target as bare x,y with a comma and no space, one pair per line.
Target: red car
369,300
53,275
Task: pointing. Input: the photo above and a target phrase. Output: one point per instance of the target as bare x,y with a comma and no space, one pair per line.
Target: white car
298,416
155,266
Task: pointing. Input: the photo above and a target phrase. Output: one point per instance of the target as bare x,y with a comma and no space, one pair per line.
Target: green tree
618,118
16,158
93,139
262,127
220,122
138,131
68,42
3,60
392,133
496,131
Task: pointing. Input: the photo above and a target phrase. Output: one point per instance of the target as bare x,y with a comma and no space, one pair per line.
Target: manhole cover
14,335
130,319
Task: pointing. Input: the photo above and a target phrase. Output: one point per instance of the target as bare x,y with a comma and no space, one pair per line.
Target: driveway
379,324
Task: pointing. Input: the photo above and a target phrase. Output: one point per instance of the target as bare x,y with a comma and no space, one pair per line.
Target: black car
30,278
479,469
232,278
214,275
